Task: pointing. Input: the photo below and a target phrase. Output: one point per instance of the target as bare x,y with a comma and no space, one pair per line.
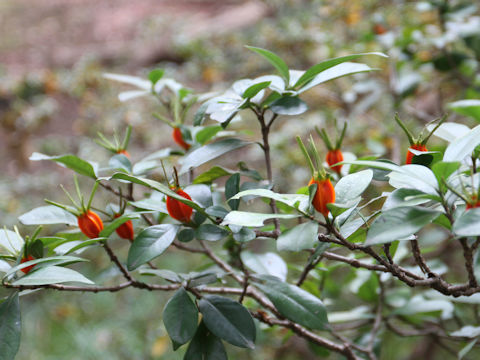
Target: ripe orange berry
324,195
90,224
333,157
410,155
475,203
124,152
27,269
379,29
178,138
177,209
125,231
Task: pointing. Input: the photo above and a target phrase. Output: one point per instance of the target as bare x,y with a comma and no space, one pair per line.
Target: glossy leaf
289,105
299,201
214,173
275,60
255,89
72,162
205,346
469,107
232,187
295,303
211,232
207,133
10,241
298,238
243,218
352,186
462,146
265,264
324,65
150,243
46,261
468,224
52,275
228,320
399,223
110,228
46,215
209,152
180,317
10,327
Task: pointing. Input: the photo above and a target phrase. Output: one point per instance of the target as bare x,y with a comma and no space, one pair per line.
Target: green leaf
110,228
228,320
255,89
442,170
10,241
214,173
209,152
297,201
462,146
205,346
469,107
150,243
405,197
352,186
211,232
217,211
186,235
155,185
180,317
232,187
244,235
298,238
399,223
289,105
155,75
324,65
243,218
468,224
47,261
340,70
207,133
83,244
200,115
52,275
275,60
121,163
46,215
72,162
466,349
10,327
295,304
265,264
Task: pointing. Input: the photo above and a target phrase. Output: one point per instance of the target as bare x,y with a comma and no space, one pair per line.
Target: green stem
305,154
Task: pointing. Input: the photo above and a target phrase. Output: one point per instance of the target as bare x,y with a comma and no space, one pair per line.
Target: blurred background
53,100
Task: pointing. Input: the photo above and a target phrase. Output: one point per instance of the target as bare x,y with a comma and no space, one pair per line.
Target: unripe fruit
333,157
125,231
27,269
178,138
178,210
90,224
324,195
410,155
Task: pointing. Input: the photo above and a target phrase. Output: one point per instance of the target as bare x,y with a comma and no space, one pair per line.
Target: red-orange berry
178,210
178,138
333,157
125,231
90,224
410,155
27,269
474,203
324,195
124,152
